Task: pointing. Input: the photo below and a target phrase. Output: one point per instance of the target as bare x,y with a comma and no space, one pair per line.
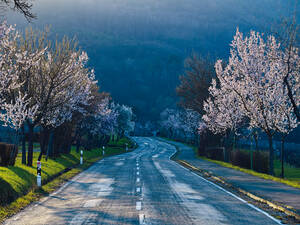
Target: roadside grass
18,183
292,174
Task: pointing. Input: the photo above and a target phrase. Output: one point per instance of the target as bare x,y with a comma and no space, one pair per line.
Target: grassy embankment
18,183
292,174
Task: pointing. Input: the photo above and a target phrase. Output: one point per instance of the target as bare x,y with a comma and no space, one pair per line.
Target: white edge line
233,195
142,218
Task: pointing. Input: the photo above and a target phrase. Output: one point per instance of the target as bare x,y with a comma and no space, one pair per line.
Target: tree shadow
7,193
28,177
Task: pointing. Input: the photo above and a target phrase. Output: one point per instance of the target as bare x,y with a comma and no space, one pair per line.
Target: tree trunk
282,157
23,146
50,146
44,139
251,155
78,143
271,155
255,137
30,145
234,142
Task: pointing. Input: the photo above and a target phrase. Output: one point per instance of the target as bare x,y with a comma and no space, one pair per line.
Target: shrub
215,153
8,154
292,157
242,159
260,161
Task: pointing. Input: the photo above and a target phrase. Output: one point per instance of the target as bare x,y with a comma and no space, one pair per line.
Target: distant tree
193,87
125,119
192,120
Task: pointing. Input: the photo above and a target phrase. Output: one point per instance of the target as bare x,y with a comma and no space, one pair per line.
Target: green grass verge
292,174
18,183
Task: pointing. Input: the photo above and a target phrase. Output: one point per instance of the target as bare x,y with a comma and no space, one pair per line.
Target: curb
241,191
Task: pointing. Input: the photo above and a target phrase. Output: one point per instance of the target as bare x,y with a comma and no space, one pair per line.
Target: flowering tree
171,121
13,103
253,84
190,124
42,85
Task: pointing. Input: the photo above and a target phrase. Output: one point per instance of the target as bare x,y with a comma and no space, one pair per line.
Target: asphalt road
141,187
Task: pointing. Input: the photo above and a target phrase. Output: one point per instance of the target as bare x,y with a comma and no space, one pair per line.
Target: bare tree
288,34
22,6
193,87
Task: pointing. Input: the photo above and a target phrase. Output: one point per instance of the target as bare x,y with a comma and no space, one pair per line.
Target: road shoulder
253,189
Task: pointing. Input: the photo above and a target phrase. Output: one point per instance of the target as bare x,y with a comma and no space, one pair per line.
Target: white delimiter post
81,157
103,151
126,147
39,174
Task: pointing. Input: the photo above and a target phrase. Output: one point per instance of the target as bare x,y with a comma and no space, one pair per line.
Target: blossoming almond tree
14,103
253,80
54,80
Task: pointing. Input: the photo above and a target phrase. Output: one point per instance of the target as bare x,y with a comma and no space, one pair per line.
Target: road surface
141,187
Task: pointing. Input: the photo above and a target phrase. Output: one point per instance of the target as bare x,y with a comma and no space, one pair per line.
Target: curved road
141,187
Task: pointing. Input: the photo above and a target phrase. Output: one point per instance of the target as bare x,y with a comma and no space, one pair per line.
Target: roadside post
39,174
103,150
126,147
81,157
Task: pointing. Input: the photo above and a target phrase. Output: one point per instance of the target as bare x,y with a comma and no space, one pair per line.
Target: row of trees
49,86
256,90
250,91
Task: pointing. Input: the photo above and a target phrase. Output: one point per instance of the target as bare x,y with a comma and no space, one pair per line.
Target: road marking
137,180
138,190
139,206
142,218
233,195
137,173
138,168
92,203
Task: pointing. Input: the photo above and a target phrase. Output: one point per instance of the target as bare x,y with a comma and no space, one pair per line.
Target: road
141,187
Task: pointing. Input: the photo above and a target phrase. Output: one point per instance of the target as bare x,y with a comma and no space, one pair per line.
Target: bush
8,154
215,153
261,161
201,150
292,157
243,159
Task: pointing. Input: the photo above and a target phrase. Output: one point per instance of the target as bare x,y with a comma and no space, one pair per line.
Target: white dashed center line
138,180
138,190
139,206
